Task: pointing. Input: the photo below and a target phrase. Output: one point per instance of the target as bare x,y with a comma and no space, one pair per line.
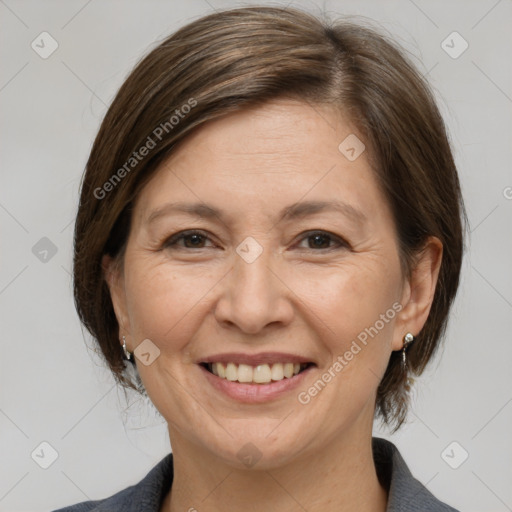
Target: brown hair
243,57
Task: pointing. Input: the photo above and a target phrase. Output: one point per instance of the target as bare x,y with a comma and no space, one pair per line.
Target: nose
255,296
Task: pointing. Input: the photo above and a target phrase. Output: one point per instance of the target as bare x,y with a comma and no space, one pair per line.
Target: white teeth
277,372
261,374
244,373
231,372
288,370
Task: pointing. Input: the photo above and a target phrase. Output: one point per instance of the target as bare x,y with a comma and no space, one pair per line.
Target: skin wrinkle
282,301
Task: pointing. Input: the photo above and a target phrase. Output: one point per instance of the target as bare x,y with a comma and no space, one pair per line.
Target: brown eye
191,240
323,240
320,241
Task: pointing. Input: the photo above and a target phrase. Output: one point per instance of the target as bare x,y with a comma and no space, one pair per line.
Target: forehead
265,158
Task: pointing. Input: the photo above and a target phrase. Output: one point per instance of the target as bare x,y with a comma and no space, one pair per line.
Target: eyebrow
295,211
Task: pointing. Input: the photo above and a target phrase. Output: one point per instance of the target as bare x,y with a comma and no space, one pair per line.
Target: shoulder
149,492
406,494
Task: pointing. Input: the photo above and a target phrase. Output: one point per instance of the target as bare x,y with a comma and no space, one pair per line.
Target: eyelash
172,240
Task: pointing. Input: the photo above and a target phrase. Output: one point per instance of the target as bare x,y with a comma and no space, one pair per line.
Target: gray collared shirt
405,493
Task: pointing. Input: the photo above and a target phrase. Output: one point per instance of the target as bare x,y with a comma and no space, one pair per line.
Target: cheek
353,294
163,300
358,302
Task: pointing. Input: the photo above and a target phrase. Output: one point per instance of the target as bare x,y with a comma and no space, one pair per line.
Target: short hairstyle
237,58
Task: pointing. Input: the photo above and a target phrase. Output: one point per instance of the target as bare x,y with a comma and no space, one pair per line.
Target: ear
418,291
113,274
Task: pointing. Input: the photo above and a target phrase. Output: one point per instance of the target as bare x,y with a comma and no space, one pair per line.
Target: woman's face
292,258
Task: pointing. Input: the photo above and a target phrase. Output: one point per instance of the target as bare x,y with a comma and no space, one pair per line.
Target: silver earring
127,353
408,339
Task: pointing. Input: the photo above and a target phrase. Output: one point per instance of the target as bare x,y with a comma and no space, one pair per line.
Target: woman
270,235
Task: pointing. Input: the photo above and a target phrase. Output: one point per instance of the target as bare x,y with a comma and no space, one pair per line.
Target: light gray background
55,389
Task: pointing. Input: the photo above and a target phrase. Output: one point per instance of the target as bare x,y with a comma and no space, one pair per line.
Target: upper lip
255,359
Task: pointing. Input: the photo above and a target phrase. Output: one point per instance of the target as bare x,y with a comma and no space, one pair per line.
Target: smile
259,374
256,378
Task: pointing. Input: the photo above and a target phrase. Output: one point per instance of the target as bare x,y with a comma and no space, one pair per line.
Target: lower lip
255,393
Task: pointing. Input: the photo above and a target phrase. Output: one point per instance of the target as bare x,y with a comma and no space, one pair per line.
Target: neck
342,478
